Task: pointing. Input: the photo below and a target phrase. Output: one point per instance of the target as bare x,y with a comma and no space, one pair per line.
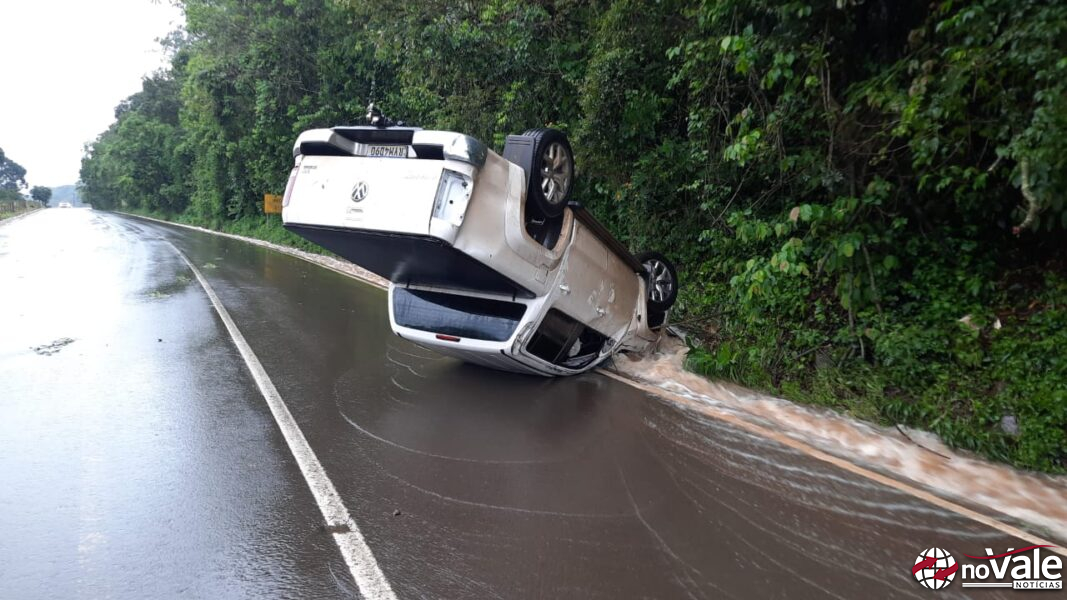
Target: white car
65,205
487,259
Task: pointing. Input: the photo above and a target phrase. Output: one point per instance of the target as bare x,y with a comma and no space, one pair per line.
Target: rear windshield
452,314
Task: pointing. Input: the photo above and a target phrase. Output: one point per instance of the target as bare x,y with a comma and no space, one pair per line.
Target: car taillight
289,185
453,194
447,338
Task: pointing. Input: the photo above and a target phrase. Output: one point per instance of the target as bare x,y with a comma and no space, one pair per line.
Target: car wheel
552,171
662,281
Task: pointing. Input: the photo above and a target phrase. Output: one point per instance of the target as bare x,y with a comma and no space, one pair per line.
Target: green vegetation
9,199
12,180
41,194
12,174
261,227
865,197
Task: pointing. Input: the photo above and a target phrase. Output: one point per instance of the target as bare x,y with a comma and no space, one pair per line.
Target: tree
12,174
41,194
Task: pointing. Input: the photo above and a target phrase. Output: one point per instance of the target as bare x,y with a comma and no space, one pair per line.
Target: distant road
143,455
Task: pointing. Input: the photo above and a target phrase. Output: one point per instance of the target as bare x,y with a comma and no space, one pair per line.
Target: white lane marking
357,554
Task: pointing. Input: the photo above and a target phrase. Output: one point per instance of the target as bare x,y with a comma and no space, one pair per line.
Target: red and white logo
934,568
1021,569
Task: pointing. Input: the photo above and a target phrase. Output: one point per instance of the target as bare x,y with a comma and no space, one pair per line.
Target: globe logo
934,568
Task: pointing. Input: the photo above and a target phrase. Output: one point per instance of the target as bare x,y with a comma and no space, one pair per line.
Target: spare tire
662,281
551,177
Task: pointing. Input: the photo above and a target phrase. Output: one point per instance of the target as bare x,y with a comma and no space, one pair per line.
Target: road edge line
357,554
17,217
845,464
288,251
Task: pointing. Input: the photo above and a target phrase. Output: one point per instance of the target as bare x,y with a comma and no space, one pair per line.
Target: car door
598,289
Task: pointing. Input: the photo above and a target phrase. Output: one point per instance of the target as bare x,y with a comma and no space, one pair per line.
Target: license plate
387,151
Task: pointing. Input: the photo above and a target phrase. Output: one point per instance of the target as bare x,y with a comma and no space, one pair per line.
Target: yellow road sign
272,204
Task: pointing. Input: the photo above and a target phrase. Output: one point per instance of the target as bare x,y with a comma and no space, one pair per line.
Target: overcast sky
64,65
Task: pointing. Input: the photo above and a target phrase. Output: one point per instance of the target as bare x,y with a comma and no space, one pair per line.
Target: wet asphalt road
139,459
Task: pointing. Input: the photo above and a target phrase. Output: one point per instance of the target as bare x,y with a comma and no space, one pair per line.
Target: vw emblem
359,192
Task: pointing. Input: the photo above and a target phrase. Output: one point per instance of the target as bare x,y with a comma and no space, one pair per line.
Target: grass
261,227
999,391
9,214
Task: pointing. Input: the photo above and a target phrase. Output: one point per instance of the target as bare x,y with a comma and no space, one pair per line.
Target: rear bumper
497,359
505,355
411,259
494,355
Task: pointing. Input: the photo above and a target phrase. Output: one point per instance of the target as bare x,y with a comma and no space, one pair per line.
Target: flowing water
1036,499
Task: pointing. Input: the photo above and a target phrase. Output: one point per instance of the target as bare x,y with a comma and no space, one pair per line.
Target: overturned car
488,259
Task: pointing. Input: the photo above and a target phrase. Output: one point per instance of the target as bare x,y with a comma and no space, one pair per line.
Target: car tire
661,280
552,171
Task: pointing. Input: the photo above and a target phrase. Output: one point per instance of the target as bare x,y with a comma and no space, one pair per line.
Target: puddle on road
52,348
169,289
919,456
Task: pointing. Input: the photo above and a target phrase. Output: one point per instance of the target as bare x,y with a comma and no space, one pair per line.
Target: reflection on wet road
141,461
138,458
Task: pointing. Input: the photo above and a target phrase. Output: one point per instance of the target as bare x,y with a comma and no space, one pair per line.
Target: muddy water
1038,501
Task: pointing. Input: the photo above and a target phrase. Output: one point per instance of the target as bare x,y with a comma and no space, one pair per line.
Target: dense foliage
865,197
12,174
12,179
41,194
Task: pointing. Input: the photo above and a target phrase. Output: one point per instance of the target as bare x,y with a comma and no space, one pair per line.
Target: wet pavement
140,460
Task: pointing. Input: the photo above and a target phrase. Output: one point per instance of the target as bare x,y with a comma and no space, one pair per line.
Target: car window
564,341
453,314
